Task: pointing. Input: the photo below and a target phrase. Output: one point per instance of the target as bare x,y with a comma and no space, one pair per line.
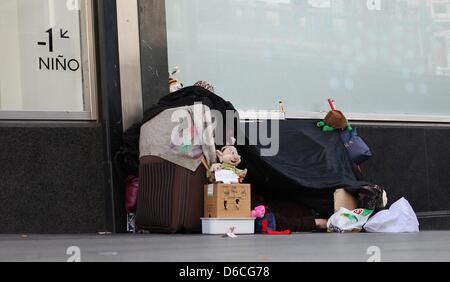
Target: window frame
89,76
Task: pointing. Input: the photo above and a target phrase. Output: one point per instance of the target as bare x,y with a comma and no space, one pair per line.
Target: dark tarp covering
188,96
309,166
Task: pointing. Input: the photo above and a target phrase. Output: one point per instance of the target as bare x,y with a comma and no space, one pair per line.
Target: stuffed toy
265,222
174,84
335,120
259,212
229,160
281,107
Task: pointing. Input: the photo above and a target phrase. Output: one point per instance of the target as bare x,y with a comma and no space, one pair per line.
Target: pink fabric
131,193
259,212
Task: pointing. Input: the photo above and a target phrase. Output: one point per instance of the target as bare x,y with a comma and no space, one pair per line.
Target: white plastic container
220,226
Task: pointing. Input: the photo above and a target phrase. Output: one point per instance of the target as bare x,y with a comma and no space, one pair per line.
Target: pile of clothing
296,185
162,134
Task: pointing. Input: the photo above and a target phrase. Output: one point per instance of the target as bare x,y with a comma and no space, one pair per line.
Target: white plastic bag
400,218
348,221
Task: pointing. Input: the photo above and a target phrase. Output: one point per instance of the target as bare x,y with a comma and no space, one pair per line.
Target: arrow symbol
64,34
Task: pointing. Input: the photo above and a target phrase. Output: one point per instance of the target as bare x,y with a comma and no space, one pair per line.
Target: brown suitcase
170,197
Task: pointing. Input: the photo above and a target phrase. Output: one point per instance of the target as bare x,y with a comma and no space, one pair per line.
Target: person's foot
321,224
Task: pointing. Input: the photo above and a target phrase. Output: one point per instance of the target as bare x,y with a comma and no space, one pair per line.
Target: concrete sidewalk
424,246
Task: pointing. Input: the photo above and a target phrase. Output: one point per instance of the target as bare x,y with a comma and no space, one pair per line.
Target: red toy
268,231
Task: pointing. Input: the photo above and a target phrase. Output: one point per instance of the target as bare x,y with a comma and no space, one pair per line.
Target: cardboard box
228,201
343,199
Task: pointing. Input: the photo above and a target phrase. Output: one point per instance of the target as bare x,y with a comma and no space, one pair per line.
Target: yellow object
343,199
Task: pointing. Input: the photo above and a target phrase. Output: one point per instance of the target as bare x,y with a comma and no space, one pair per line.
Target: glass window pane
383,57
40,56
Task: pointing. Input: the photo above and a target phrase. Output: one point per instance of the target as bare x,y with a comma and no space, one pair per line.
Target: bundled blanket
180,135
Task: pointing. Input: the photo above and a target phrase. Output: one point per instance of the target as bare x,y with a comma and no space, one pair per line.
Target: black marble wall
412,162
52,179
110,106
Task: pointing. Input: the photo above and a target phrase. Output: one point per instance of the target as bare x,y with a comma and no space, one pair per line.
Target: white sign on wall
40,56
